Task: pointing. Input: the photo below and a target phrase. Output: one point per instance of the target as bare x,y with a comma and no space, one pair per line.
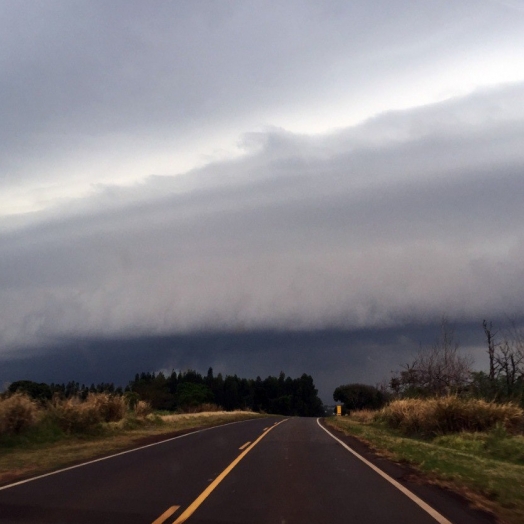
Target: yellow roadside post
339,411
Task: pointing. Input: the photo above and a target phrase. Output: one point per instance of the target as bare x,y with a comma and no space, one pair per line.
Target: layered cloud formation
405,217
174,169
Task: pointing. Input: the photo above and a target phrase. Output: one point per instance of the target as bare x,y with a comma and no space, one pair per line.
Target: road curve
258,471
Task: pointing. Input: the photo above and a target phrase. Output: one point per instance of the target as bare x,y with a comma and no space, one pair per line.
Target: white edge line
426,507
121,453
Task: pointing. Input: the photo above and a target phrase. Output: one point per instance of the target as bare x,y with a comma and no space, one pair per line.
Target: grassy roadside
34,456
487,468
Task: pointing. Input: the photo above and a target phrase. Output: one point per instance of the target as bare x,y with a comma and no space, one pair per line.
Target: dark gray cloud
173,168
351,230
332,357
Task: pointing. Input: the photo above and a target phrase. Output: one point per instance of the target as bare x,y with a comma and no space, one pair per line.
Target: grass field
486,467
44,449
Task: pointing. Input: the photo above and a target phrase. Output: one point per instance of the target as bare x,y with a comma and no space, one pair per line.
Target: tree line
187,390
441,369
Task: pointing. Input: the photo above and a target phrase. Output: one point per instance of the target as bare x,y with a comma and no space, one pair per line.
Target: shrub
208,407
131,398
142,408
364,416
201,408
17,413
74,416
111,408
449,415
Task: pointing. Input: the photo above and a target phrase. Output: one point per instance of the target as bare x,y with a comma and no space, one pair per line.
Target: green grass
46,447
492,445
488,467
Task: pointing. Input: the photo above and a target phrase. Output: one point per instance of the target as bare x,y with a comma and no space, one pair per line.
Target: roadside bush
365,416
209,407
111,408
18,413
201,408
142,408
74,416
450,415
131,398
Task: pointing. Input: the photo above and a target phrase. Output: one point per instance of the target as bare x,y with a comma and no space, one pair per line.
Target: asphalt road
260,471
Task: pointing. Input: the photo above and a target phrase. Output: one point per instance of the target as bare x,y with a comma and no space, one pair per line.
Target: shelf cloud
177,169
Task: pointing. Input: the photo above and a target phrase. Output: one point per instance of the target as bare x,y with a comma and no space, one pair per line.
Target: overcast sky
176,167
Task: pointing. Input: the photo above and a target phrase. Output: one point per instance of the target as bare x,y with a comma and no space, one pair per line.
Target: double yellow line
203,496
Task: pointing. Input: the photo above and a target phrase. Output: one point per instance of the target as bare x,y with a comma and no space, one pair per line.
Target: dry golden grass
142,408
364,415
449,415
76,416
180,417
110,407
206,407
18,413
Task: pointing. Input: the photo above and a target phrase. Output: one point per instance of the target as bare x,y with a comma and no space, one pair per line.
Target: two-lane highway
260,471
300,474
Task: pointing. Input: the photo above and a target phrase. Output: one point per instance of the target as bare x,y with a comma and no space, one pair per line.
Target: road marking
265,429
426,507
165,515
203,496
121,453
245,445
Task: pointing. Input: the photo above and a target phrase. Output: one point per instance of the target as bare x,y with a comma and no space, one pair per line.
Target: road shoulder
456,507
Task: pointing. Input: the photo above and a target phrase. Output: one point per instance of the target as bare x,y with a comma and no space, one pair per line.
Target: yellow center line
245,445
203,496
165,515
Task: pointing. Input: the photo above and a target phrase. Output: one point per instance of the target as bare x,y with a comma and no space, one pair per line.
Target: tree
306,401
155,389
231,398
36,390
505,380
437,370
359,396
190,395
191,376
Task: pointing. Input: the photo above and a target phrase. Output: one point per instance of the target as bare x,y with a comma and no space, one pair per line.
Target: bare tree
510,358
492,349
506,361
437,370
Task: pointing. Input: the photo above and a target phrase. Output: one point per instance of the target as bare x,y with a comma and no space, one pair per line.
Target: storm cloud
355,229
178,169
